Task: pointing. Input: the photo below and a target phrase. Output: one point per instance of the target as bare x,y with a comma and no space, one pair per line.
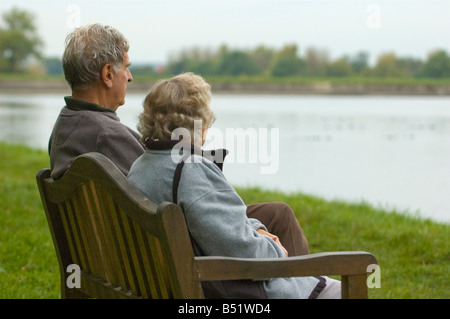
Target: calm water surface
393,152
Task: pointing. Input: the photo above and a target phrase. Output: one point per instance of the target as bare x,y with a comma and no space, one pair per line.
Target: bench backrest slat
125,245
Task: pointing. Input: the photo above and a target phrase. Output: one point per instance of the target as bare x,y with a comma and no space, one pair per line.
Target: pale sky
157,29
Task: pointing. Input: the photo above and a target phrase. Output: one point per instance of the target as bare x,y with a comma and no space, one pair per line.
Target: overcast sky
157,29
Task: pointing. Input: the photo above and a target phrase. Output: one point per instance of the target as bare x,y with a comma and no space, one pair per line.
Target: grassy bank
331,80
22,83
413,254
258,79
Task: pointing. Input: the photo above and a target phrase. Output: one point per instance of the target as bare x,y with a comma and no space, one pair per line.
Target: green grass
19,77
361,80
289,80
413,254
257,79
28,265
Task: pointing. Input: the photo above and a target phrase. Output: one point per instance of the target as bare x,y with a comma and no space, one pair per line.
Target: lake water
393,152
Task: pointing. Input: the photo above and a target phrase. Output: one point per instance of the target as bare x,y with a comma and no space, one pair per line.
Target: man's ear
107,75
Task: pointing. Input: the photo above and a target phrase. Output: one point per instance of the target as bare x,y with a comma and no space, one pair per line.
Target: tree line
20,42
287,61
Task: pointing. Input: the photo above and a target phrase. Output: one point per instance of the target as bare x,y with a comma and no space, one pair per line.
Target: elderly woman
215,214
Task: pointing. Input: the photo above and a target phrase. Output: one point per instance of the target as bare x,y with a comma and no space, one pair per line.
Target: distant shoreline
313,88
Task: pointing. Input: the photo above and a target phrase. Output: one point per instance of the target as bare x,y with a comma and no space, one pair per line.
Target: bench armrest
350,265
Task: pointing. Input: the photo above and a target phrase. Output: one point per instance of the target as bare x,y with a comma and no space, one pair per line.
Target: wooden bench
128,247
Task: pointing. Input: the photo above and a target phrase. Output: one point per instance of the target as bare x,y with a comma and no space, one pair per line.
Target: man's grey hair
88,49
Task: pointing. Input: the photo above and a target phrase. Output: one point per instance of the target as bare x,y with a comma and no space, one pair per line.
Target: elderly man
95,64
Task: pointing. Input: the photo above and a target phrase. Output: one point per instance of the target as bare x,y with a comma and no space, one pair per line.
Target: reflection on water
28,119
389,151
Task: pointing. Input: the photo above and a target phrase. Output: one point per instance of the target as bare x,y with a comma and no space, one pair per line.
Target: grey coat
215,214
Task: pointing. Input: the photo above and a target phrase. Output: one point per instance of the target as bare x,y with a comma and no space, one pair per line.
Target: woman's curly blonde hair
175,103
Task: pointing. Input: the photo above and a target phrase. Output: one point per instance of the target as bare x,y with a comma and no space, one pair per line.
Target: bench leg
72,293
354,287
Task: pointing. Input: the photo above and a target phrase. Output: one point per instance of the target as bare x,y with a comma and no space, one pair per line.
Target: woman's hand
275,239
